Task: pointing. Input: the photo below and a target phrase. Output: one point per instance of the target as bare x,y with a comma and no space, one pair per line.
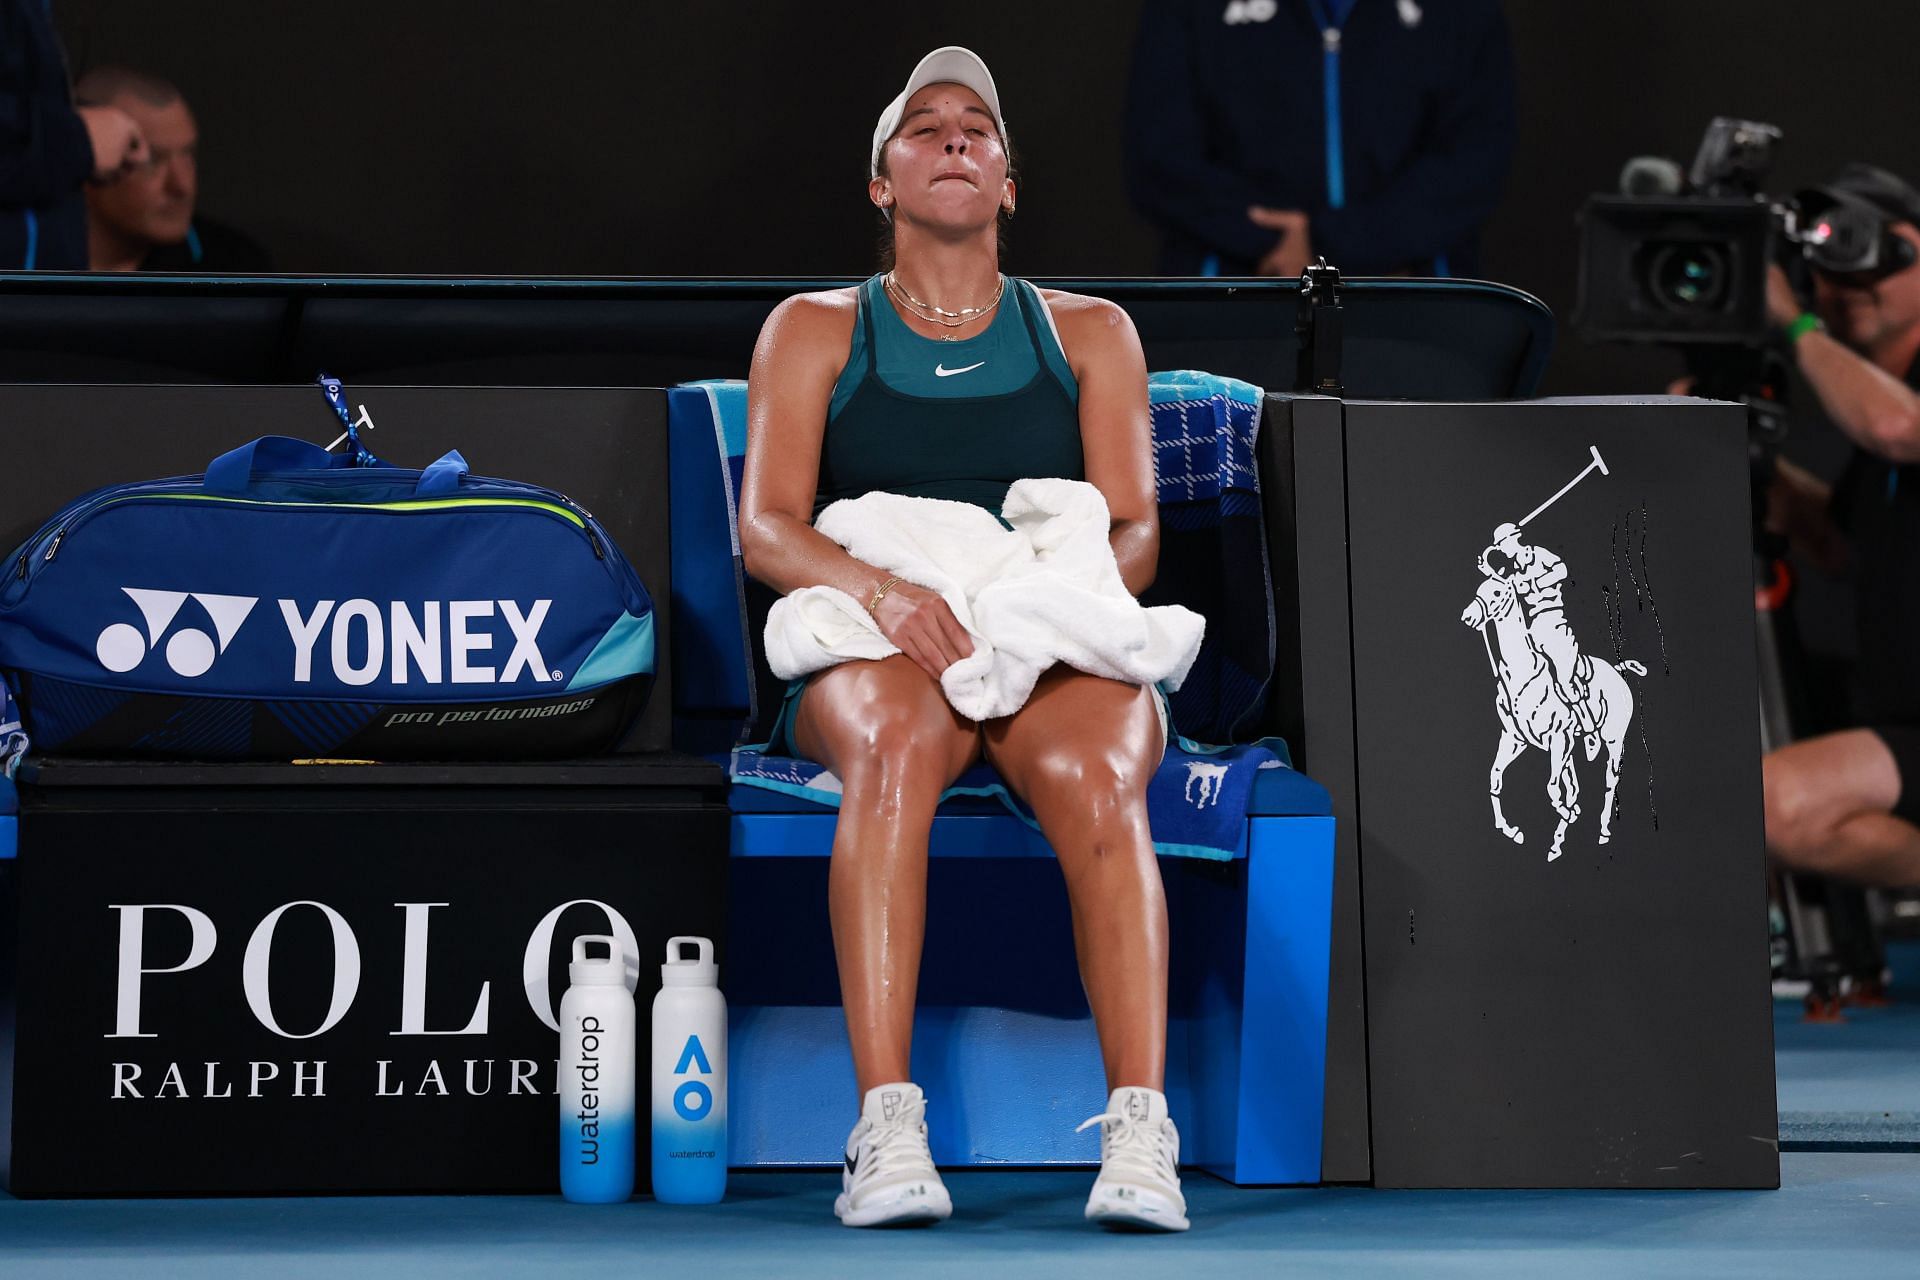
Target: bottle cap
609,970
700,971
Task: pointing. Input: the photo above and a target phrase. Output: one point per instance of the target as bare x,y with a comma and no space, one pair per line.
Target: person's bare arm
794,365
799,355
1876,410
1116,429
1873,408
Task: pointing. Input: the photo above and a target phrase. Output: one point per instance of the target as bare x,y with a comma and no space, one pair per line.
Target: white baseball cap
948,65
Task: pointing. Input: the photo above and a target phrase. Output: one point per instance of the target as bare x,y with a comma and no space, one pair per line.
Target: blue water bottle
689,1078
596,1075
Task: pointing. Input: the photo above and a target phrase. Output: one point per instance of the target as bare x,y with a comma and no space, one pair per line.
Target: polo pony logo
1548,693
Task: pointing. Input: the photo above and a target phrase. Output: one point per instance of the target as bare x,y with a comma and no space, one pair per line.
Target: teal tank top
956,420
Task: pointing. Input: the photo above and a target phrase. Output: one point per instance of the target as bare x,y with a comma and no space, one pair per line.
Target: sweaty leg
1081,752
887,732
1829,806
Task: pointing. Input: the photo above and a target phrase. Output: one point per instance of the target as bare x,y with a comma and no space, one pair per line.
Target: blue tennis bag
294,603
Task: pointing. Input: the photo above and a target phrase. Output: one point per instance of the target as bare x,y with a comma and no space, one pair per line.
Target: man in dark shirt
1848,803
144,220
1264,132
48,148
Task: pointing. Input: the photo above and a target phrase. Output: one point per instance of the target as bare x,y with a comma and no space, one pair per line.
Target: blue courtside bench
1003,1041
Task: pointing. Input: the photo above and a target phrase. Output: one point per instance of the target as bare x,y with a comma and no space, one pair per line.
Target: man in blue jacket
48,148
1263,133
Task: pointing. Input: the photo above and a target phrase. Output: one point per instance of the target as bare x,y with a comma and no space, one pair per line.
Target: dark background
730,138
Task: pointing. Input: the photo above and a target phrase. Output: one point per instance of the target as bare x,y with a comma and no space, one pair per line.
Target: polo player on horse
1537,574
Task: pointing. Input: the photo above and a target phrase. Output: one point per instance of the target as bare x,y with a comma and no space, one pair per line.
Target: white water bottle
689,1078
596,1075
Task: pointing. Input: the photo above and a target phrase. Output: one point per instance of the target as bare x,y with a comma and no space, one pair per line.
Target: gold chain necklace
939,315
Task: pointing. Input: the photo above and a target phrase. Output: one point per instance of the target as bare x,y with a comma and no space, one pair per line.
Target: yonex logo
414,637
190,652
431,641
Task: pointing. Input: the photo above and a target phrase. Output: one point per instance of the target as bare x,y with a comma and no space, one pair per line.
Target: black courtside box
1561,920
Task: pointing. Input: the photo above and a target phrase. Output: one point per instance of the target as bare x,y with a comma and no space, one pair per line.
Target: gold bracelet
880,594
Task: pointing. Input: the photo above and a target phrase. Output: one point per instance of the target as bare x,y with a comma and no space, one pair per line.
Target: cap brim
950,64
1873,189
955,65
1813,200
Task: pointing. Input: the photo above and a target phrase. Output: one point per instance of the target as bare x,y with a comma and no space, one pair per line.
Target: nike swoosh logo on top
941,371
853,1162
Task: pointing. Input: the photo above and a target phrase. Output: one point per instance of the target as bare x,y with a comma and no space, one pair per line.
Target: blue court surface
1839,1213
1853,1085
1849,1204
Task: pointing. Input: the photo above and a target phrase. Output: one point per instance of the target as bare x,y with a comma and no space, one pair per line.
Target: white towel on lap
1046,591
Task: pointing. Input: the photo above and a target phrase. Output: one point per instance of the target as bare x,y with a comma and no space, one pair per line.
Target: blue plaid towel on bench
1213,547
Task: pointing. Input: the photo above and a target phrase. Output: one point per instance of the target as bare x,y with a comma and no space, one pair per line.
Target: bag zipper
627,581
549,501
177,486
426,504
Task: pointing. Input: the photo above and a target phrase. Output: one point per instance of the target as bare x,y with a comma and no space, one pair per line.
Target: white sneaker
889,1175
1139,1182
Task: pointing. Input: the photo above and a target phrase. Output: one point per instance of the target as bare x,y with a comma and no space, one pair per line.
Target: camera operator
1847,804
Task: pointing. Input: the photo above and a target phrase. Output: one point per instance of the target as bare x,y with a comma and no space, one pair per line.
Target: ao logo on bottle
693,1099
433,641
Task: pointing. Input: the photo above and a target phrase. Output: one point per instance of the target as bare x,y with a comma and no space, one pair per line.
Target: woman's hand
920,625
